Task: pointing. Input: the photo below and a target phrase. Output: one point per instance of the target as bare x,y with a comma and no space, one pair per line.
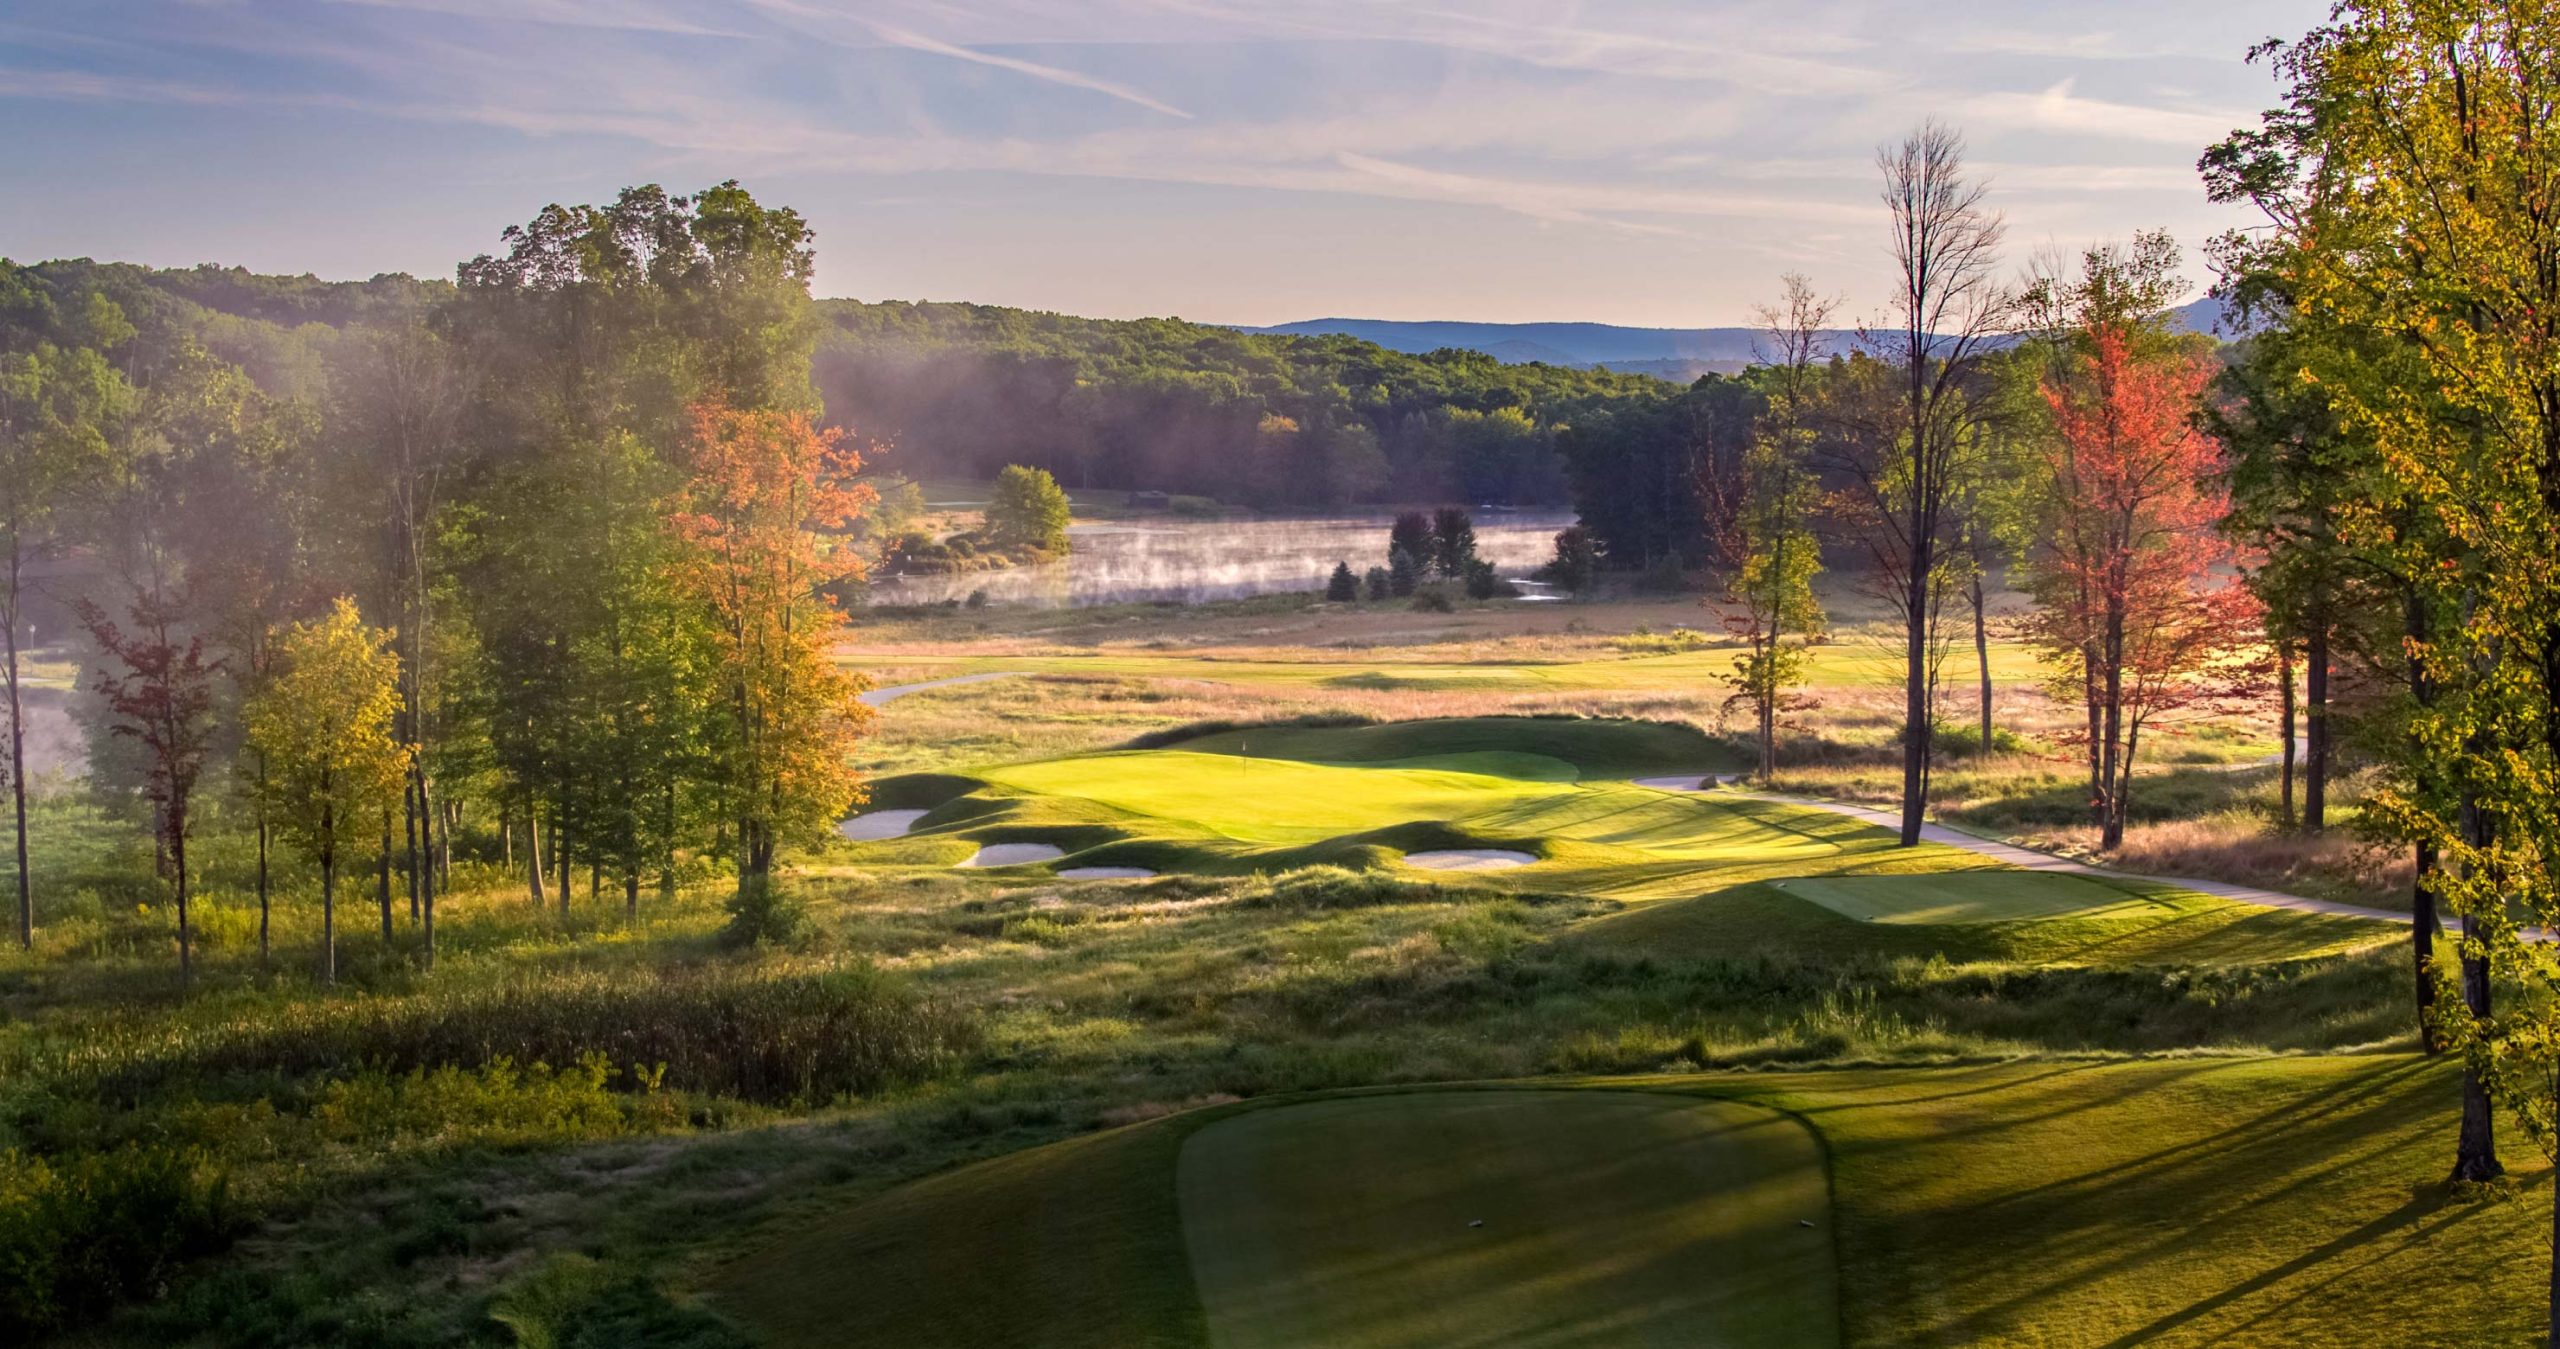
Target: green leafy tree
61,404
1411,536
2408,176
1404,573
1576,564
1342,587
322,722
1378,584
1027,511
1453,541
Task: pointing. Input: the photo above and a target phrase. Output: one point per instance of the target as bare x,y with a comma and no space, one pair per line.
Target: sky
1653,162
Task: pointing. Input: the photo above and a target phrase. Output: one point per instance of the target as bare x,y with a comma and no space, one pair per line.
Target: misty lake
1137,561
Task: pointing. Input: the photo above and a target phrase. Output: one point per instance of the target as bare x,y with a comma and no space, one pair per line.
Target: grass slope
1972,897
2287,1200
1509,1217
1072,1245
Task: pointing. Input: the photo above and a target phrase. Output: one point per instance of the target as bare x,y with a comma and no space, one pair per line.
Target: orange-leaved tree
2136,613
762,520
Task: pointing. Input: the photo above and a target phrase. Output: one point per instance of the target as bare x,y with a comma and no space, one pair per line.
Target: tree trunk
409,822
564,853
1915,697
2315,768
2424,927
328,886
1982,657
18,753
186,932
422,884
2290,716
533,852
2475,1154
262,889
382,877
631,893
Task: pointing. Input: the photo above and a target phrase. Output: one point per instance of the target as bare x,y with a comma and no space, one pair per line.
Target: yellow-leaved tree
323,722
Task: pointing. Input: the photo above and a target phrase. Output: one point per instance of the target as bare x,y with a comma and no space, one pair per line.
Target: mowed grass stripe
1607,1218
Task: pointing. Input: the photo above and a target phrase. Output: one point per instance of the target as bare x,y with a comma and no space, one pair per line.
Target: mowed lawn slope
2176,1202
1509,1218
1559,789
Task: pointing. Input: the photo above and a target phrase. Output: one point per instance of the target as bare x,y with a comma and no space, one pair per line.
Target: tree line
541,561
1265,420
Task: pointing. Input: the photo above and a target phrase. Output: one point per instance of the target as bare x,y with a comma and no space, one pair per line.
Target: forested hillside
961,390
1268,420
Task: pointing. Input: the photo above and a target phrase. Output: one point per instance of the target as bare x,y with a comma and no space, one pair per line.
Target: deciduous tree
763,485
323,722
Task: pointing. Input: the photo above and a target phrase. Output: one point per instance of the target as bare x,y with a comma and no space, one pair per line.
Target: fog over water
1122,562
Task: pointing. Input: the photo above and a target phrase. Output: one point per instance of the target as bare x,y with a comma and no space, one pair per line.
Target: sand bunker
1468,859
1014,854
1691,784
1104,873
879,824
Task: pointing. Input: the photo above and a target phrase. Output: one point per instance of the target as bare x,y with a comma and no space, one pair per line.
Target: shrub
1966,739
977,598
1342,587
776,1038
1435,599
82,1232
1379,584
1483,583
763,914
1647,642
1576,563
1404,572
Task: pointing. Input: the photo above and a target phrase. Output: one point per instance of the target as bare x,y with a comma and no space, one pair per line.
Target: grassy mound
1542,1217
2165,927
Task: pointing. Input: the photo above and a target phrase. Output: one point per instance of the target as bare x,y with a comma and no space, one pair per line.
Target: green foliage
1342,587
1436,598
1027,512
1158,404
1576,564
1483,583
82,1231
1378,585
1453,542
757,1035
1404,572
762,913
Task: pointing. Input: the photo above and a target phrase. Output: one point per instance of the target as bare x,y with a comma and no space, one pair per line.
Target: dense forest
962,390
1270,421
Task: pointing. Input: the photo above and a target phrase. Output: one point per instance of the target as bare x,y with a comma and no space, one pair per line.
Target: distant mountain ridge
1676,354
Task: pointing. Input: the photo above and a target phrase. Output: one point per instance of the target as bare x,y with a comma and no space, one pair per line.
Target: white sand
879,824
1014,854
1696,784
1468,859
1104,873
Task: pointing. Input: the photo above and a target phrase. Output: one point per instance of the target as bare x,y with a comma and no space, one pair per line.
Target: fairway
1273,800
1971,897
1606,1218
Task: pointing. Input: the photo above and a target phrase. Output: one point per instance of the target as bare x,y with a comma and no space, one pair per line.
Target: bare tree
1947,313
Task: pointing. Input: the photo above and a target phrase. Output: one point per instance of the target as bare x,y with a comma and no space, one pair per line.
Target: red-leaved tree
2138,613
762,521
158,687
